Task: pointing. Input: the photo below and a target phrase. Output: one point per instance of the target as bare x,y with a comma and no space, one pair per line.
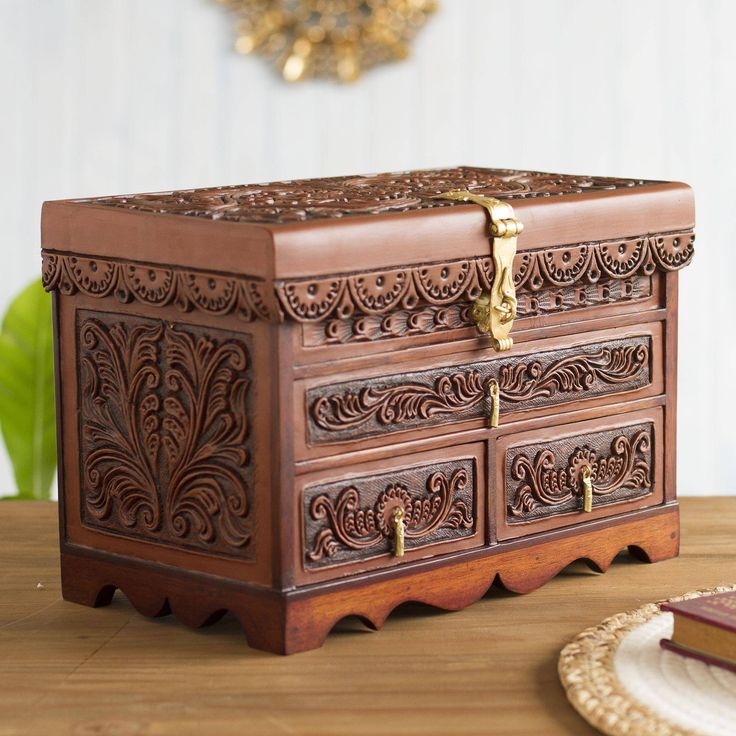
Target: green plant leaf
27,414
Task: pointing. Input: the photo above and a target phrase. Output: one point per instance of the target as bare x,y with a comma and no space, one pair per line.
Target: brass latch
494,311
398,524
587,489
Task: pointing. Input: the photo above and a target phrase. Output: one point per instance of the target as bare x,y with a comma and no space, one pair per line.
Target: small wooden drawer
348,521
534,377
539,474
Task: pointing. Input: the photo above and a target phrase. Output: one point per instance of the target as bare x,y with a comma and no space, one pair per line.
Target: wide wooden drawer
534,379
348,519
359,314
539,474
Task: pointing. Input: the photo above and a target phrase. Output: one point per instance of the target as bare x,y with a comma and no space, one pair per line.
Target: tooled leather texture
538,275
155,285
394,403
351,520
344,196
428,319
543,479
442,284
164,426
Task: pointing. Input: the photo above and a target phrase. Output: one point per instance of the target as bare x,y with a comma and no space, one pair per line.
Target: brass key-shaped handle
398,523
495,397
587,488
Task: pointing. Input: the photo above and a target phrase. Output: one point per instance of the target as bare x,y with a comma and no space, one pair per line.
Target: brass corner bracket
494,311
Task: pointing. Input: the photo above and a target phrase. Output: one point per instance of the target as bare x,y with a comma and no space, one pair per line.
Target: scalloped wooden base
300,619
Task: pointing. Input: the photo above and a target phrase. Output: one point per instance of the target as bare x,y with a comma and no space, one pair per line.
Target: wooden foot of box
299,620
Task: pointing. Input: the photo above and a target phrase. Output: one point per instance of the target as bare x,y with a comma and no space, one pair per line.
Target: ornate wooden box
309,399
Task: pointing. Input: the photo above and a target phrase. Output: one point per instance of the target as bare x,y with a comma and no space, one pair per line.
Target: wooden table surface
490,669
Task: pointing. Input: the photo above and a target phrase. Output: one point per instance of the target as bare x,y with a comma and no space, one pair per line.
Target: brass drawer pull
587,489
494,396
398,524
494,311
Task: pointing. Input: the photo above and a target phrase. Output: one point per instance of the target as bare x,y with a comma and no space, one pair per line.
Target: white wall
115,96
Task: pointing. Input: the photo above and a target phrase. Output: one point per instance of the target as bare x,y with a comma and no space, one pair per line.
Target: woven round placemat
623,683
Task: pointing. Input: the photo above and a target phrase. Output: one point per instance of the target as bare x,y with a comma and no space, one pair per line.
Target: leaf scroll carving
613,366
205,434
121,422
347,522
398,404
164,432
427,398
620,462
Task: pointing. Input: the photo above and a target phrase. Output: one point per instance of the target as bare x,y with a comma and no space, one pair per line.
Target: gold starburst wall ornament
328,38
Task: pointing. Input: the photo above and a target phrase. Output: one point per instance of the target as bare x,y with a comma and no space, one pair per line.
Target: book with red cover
705,629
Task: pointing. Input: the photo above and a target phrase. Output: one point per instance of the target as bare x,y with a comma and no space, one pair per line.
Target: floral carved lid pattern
336,197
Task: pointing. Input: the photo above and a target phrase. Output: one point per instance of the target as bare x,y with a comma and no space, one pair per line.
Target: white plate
622,682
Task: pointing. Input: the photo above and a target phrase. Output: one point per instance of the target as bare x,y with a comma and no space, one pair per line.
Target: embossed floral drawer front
352,520
542,473
535,377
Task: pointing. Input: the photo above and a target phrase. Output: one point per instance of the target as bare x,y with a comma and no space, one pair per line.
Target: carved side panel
164,432
543,479
348,521
388,404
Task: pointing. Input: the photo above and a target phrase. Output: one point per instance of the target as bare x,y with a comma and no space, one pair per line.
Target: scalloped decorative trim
369,293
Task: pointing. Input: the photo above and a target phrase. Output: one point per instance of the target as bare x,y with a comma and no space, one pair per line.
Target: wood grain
67,669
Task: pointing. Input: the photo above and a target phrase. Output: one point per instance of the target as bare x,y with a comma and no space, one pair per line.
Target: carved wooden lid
360,224
346,196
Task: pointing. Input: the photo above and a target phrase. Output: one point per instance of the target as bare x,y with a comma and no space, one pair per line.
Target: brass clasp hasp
494,311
